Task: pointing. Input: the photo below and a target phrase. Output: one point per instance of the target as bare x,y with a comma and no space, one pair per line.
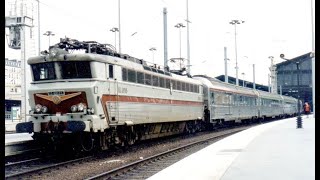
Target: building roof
298,58
248,84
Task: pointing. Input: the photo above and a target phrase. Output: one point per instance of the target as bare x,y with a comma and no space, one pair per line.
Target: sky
271,28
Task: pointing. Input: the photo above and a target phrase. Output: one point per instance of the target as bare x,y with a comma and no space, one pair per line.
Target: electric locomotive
101,98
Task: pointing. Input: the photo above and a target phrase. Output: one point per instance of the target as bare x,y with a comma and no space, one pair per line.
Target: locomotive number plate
56,93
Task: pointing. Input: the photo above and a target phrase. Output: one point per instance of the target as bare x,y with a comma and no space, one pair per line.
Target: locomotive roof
130,63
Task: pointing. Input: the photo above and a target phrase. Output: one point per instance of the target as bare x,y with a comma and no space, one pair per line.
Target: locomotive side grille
60,104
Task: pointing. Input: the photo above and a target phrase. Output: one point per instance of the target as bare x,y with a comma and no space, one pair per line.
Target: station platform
275,150
10,132
10,125
17,137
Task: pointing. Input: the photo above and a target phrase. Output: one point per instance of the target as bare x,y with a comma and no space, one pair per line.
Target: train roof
218,85
289,99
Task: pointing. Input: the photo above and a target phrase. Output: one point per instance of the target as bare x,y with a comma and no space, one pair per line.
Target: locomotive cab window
124,74
75,69
43,71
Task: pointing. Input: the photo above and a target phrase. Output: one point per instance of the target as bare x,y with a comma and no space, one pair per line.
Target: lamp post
226,65
243,74
180,25
299,119
269,88
273,76
119,30
188,44
39,46
115,30
235,22
313,64
152,50
254,76
49,33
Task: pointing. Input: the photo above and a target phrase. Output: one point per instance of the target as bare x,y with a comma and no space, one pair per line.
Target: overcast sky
271,27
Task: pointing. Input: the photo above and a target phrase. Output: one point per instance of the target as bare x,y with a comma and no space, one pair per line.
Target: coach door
229,103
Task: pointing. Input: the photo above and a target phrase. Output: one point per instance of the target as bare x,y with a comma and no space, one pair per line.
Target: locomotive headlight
81,107
37,108
73,108
44,109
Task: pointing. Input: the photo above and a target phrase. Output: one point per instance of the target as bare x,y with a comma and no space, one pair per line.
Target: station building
12,89
288,74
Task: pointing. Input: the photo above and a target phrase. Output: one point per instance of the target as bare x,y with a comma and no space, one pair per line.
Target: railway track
145,168
33,166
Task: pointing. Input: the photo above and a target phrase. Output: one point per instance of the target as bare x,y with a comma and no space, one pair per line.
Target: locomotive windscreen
75,69
43,71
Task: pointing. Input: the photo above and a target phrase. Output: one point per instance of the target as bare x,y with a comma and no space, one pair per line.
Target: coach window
110,71
124,74
147,79
212,97
244,101
140,77
161,80
132,75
